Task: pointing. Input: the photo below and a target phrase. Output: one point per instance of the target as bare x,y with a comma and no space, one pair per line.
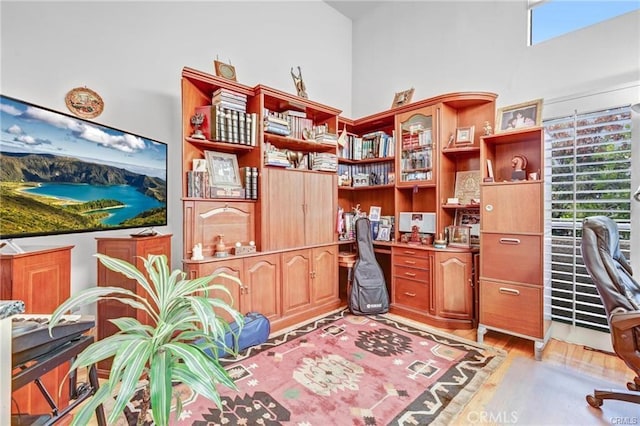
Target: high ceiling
353,9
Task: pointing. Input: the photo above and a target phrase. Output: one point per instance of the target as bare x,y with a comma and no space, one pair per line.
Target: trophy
196,122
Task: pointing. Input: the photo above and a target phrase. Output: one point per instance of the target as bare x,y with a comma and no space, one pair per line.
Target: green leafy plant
184,323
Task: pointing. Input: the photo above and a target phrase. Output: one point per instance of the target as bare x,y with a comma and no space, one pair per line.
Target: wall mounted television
60,174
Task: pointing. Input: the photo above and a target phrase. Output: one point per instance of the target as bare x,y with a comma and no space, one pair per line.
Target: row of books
323,161
276,123
228,125
380,173
415,140
298,123
199,185
230,100
371,145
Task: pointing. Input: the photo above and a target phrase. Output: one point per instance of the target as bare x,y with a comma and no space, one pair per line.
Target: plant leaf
160,386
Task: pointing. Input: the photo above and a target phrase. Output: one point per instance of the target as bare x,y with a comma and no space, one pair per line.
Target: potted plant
182,312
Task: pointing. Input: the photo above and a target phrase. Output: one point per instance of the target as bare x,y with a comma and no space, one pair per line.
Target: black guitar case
368,289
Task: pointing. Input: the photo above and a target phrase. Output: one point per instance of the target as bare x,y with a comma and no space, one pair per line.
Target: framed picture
199,165
467,187
223,169
84,102
384,233
471,218
374,213
464,135
520,116
459,236
402,98
227,71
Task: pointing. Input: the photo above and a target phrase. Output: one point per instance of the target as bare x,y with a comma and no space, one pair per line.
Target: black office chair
620,294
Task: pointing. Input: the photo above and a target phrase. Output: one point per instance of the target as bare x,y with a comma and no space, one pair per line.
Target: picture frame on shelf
471,218
225,70
374,213
467,186
199,165
402,98
519,116
223,169
464,135
384,233
459,236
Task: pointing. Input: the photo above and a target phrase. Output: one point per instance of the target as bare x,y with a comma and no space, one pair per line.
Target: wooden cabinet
416,140
260,277
299,209
412,285
514,281
297,290
131,250
325,274
454,285
41,278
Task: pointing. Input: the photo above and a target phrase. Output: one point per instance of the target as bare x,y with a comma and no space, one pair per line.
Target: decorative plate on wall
84,102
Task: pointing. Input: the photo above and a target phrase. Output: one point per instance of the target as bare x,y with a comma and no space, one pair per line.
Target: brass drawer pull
409,252
409,274
510,291
410,262
509,241
406,293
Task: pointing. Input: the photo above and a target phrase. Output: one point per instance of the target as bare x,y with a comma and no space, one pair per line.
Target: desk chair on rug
620,294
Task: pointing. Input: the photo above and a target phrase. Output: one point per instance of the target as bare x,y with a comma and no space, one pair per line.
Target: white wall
132,54
450,46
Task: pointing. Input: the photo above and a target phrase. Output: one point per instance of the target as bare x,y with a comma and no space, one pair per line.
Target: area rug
540,393
345,369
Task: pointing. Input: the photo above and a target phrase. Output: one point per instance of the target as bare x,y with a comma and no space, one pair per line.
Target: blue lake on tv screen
135,202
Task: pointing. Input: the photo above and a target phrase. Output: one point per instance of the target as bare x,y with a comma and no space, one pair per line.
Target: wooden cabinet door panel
511,208
512,307
325,273
320,209
512,257
285,210
297,294
262,285
233,267
454,285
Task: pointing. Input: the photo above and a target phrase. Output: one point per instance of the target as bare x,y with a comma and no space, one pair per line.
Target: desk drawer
411,261
512,257
411,293
422,275
512,307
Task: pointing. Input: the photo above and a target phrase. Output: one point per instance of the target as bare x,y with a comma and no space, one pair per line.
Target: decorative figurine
197,252
196,122
221,248
300,86
488,130
415,234
519,165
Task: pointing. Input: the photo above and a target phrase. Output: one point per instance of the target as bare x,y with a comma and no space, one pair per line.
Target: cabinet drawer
411,261
422,275
411,293
512,257
516,308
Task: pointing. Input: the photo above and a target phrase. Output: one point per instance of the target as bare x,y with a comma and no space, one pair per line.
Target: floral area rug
347,370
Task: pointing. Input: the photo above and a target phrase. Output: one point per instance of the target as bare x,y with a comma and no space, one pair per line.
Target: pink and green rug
348,370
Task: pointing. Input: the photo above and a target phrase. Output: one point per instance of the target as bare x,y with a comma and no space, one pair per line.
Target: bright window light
552,18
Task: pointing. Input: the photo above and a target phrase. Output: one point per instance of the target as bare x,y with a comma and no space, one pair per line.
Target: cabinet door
325,274
233,267
284,209
415,148
320,208
297,294
511,208
262,285
454,285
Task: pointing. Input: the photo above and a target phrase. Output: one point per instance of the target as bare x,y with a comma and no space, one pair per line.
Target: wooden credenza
131,250
41,278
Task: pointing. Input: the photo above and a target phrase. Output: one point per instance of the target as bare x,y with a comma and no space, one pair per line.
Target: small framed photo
459,236
384,233
223,169
520,116
402,98
199,165
224,70
374,213
464,135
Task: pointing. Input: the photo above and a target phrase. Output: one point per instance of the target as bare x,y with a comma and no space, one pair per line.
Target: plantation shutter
589,157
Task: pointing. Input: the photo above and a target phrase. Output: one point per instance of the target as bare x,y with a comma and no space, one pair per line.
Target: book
213,125
229,94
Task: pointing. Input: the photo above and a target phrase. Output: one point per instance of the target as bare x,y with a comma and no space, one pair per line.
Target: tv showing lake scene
62,174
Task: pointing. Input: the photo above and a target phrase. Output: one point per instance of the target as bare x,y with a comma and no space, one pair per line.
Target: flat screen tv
61,174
